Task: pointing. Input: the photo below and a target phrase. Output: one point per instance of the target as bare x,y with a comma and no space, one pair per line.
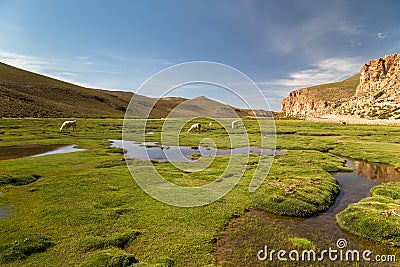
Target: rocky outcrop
300,104
376,95
318,100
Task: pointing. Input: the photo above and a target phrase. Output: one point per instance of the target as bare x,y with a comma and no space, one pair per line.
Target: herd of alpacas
196,127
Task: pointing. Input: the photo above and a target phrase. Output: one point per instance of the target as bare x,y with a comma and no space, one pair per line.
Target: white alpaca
195,127
68,124
235,124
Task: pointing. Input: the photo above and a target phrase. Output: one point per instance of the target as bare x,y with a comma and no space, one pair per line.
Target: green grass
21,179
109,257
92,210
299,184
23,247
302,243
376,218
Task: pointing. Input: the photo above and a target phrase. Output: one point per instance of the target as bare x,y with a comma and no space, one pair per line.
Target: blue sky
281,45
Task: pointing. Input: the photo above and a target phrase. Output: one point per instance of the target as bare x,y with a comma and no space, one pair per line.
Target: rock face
376,96
378,93
300,104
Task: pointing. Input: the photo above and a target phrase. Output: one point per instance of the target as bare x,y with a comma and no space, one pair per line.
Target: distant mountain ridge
27,94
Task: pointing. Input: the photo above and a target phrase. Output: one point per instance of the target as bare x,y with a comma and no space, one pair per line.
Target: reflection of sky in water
4,212
154,151
61,150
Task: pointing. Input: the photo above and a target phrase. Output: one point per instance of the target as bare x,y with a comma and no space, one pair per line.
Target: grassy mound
110,257
21,179
299,184
23,247
376,218
118,241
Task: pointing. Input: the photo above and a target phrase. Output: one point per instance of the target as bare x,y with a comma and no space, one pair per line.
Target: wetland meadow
327,181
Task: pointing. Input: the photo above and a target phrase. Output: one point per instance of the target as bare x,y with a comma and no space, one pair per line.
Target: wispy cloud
80,70
325,71
380,36
355,44
43,66
26,62
11,26
85,60
137,60
311,36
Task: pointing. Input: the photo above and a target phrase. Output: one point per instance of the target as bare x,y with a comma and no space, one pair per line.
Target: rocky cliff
372,94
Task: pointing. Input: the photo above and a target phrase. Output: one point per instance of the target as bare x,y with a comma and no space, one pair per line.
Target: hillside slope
320,99
27,94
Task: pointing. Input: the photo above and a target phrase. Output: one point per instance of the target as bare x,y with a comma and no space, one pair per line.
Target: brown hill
27,94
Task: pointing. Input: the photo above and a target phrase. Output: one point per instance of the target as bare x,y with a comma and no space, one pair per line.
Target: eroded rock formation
376,95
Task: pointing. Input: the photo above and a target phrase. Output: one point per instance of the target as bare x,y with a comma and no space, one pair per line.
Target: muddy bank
25,151
22,151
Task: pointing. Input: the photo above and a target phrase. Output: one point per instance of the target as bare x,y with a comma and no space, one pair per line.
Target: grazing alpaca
235,124
68,124
195,127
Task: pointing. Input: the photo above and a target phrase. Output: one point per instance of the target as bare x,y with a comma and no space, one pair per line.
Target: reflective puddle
25,151
4,212
61,150
29,151
155,151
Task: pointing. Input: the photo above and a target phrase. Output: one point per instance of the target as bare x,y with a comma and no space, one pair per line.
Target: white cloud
355,44
43,66
128,59
69,73
25,62
381,36
83,58
325,71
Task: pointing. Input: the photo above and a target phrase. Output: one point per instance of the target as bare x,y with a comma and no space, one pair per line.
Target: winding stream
322,229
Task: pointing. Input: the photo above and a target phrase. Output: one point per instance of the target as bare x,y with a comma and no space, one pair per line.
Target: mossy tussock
18,179
24,247
100,242
299,184
112,257
376,218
